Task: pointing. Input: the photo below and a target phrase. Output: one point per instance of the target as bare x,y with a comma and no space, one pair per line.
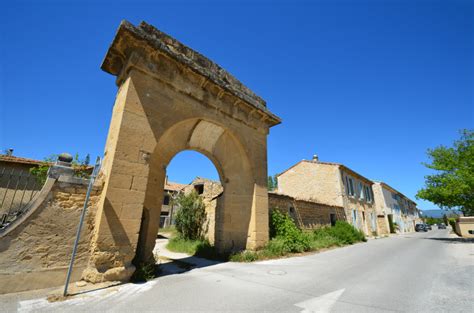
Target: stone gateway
171,98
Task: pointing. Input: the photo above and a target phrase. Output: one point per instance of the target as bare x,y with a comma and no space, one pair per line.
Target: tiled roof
174,186
15,159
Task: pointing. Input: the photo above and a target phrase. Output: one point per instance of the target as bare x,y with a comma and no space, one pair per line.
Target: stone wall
35,253
306,214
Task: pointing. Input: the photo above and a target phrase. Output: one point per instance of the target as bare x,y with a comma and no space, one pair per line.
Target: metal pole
78,235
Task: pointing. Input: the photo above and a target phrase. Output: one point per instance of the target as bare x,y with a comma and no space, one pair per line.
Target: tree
191,216
452,184
272,183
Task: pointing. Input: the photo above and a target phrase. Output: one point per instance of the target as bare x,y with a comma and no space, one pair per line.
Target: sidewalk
175,262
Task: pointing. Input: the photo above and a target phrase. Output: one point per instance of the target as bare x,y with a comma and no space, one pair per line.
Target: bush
291,237
191,216
277,247
345,233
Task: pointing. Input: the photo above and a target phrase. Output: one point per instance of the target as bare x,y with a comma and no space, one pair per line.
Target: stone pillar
126,172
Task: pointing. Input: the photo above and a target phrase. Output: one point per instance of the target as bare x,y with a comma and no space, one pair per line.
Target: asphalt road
416,272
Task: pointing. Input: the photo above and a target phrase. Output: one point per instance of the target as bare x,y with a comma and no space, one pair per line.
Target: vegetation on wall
452,184
81,167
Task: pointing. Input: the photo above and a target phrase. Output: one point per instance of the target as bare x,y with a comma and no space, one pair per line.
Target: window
354,218
368,193
350,186
362,191
292,210
374,221
199,189
166,200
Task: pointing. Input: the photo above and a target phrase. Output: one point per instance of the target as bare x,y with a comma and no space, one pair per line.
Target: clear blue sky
371,84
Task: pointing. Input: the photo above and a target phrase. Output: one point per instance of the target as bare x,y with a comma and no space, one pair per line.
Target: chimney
10,152
315,158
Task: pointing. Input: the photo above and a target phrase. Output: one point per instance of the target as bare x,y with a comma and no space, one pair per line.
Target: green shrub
191,216
342,232
323,238
289,239
276,247
284,228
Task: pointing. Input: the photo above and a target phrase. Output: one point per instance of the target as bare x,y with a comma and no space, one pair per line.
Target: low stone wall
36,251
307,214
465,227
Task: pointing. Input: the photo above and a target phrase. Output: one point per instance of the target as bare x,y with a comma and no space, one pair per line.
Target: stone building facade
332,184
395,211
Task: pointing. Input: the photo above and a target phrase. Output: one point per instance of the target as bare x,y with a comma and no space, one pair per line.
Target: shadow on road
457,240
179,266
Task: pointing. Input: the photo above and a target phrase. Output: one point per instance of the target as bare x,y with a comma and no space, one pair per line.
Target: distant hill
439,213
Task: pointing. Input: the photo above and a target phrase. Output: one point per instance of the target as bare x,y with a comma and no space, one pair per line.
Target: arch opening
189,171
229,220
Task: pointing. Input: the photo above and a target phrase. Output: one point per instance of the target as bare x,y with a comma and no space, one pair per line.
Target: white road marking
321,304
94,297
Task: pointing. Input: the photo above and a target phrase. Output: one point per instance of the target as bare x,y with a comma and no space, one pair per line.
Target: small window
332,218
368,193
292,210
199,189
354,217
166,200
350,186
362,191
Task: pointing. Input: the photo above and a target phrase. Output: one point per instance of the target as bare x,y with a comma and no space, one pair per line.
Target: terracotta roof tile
15,159
174,186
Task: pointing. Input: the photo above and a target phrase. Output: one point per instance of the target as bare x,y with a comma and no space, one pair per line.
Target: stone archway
171,99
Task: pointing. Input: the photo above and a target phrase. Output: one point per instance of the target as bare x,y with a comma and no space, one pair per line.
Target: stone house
210,191
395,211
168,207
332,184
